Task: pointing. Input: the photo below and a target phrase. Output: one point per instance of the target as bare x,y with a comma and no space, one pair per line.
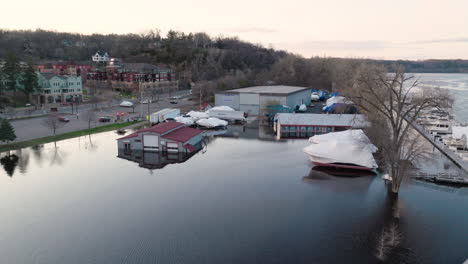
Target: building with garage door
165,137
290,125
253,100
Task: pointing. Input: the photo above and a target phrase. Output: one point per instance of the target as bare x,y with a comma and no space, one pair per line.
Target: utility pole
200,91
141,98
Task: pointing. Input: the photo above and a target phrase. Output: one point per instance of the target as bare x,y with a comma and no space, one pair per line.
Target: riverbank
48,139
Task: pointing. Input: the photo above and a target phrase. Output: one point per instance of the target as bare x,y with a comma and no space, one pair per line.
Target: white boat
315,96
195,115
212,122
188,121
439,127
350,149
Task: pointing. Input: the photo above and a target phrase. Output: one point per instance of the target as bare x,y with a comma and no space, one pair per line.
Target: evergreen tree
2,86
7,132
11,71
29,79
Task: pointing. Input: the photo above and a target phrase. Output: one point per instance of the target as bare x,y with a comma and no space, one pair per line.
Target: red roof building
167,136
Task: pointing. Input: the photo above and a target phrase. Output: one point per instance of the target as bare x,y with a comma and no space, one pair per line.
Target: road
87,106
27,129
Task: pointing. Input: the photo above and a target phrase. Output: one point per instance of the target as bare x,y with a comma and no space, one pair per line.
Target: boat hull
341,166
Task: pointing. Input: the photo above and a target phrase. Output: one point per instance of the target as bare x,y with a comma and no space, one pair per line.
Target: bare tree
10,112
393,101
389,239
53,123
89,116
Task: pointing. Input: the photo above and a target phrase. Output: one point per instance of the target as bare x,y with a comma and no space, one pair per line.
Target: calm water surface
239,200
242,200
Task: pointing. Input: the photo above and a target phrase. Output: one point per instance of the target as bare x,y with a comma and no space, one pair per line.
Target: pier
450,154
443,178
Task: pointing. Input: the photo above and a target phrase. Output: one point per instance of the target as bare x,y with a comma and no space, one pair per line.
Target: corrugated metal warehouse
252,100
306,125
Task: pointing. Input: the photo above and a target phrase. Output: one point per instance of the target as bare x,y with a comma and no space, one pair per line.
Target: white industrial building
253,100
290,125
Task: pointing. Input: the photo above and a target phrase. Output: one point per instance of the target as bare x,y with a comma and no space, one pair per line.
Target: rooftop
182,134
269,89
343,120
159,128
48,76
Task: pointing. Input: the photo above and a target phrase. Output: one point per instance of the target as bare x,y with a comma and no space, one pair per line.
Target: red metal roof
182,134
159,128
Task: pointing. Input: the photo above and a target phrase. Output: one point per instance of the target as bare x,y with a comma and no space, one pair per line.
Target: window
78,83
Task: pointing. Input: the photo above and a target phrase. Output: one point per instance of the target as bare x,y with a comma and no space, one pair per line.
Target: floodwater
244,198
241,199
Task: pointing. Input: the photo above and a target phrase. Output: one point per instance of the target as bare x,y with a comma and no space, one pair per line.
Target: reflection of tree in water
9,163
37,152
23,155
389,241
57,156
90,144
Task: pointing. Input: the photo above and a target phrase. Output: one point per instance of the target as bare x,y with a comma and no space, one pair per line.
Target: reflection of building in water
250,131
154,160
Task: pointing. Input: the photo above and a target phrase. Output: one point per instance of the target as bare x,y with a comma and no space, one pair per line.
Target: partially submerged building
290,125
253,100
164,137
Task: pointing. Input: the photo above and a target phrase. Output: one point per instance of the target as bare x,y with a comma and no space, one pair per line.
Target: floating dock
442,178
450,154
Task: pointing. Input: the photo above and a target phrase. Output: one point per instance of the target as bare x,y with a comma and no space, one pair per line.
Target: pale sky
390,29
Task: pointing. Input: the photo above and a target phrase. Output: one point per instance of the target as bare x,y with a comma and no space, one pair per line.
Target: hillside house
101,57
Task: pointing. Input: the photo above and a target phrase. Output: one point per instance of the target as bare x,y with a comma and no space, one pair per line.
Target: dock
442,178
450,154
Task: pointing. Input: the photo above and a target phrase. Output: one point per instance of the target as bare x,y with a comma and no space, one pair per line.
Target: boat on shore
350,150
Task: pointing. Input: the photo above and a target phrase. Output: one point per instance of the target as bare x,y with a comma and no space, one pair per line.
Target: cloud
344,45
435,41
239,30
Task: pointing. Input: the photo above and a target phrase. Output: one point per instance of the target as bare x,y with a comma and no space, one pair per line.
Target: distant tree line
213,63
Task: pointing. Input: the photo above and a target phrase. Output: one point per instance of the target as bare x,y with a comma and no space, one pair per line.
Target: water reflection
9,163
317,170
154,160
23,162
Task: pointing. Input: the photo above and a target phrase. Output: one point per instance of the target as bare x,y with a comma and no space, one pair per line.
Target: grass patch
78,133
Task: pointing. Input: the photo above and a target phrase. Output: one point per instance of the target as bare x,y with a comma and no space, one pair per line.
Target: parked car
63,119
104,119
146,101
126,104
173,102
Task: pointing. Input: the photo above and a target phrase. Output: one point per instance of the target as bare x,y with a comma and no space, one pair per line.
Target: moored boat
350,149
